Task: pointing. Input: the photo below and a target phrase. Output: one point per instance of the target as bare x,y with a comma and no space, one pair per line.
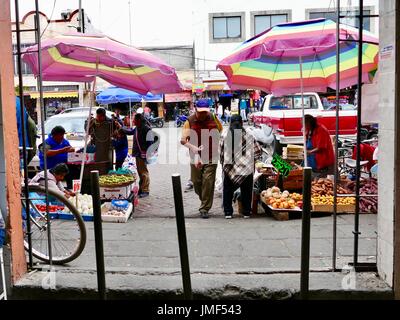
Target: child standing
120,144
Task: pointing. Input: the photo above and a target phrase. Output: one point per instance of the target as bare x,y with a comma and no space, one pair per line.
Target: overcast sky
154,22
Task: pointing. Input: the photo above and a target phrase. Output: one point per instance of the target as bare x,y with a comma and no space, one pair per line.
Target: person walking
201,134
239,152
243,109
143,138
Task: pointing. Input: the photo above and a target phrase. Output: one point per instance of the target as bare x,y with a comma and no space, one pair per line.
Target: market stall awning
119,95
216,87
178,97
55,94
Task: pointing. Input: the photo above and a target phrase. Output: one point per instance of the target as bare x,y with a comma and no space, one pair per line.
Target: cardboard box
340,208
109,218
116,193
74,157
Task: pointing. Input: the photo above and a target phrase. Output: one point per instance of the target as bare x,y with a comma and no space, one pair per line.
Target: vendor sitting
57,148
54,178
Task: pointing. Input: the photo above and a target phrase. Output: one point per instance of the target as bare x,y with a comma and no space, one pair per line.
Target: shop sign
76,185
281,165
198,87
386,52
177,97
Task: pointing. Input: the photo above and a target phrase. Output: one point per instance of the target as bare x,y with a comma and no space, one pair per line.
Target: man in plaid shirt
239,152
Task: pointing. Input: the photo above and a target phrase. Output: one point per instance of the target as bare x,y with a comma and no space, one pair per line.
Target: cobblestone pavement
148,244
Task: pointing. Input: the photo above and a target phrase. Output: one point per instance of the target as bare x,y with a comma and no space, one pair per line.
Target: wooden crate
341,208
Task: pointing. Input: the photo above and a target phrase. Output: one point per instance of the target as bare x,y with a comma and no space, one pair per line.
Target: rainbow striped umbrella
270,60
82,57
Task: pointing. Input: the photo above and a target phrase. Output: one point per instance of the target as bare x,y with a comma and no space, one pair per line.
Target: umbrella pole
336,139
130,113
86,140
302,110
306,214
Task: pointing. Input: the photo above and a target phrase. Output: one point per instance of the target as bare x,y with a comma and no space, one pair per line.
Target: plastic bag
264,134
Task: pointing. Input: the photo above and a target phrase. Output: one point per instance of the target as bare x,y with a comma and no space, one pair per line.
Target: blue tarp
119,95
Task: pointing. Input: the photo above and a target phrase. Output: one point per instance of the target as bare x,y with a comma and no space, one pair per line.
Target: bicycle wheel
68,237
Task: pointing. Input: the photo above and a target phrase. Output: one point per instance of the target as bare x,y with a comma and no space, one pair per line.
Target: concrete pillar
10,139
389,145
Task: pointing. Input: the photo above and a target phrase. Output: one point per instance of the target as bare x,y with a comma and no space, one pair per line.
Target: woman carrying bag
239,152
145,145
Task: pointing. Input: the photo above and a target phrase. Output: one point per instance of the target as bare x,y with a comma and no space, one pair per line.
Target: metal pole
180,223
334,249
98,234
358,171
81,23
130,24
24,149
42,118
302,111
305,234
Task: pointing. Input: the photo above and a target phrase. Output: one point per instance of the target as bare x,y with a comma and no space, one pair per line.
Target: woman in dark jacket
143,138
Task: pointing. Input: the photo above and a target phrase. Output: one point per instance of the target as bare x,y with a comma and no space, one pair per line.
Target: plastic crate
109,218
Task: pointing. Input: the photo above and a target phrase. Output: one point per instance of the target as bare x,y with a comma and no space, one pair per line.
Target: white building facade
220,26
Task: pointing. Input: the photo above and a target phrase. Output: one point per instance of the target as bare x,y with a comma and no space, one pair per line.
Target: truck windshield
293,102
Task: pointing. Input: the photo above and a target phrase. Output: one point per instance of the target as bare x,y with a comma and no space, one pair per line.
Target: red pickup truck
284,115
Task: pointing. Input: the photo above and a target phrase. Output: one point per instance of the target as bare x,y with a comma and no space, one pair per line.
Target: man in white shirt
55,176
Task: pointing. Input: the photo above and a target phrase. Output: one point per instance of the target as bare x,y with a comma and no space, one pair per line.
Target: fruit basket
116,180
325,204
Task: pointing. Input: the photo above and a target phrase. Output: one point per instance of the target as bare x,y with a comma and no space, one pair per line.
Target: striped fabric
270,60
82,57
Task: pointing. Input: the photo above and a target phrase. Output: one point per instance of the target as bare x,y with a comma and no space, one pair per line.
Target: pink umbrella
81,57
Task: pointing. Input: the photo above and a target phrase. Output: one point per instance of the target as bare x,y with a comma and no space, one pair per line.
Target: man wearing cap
201,133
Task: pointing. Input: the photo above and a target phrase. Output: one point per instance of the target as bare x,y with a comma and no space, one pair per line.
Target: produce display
324,187
317,200
52,208
115,180
108,209
85,204
367,187
120,171
281,200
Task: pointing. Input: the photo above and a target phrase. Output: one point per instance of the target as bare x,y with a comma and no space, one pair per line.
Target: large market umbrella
119,95
83,57
295,57
300,56
270,60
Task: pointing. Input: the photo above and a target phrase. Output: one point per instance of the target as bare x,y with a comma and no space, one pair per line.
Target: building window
354,22
264,22
227,27
25,67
